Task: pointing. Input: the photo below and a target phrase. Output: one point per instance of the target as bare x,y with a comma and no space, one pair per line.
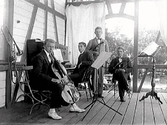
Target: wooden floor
146,112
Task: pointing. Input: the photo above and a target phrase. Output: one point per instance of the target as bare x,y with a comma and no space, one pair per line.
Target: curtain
162,12
81,22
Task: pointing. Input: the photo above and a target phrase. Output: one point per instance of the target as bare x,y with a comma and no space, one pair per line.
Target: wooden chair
37,97
87,82
23,85
114,85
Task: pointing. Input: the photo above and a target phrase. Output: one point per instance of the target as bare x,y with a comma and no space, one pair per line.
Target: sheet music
104,56
58,54
150,49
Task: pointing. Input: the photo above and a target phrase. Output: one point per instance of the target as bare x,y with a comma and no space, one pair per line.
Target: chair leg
89,83
86,90
90,93
114,88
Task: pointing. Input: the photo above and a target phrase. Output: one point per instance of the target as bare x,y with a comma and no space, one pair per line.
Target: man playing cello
44,78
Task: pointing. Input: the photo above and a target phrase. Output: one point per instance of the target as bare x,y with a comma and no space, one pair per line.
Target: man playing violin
121,67
96,46
45,80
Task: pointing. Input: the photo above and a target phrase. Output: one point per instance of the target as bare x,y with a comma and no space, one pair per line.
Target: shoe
75,108
54,115
100,96
129,92
122,100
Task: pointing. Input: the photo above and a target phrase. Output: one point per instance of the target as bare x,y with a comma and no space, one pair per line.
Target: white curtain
162,12
81,22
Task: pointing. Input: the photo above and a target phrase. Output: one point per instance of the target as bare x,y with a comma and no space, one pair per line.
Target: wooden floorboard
164,106
134,112
128,119
148,113
78,119
122,108
158,114
138,115
100,115
110,114
94,110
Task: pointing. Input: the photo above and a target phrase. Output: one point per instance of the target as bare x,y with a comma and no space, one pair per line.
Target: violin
69,93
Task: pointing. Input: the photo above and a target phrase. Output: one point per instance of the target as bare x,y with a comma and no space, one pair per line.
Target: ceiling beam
122,8
119,1
84,2
120,15
109,7
99,1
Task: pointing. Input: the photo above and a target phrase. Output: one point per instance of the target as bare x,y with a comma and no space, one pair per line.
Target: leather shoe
122,100
54,115
75,108
100,96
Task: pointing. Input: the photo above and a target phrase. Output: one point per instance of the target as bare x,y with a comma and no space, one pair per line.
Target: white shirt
98,40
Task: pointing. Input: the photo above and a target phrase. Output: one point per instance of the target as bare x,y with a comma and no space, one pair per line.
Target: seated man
85,60
43,79
121,67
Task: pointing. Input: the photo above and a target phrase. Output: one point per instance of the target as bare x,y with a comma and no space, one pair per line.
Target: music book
104,56
150,49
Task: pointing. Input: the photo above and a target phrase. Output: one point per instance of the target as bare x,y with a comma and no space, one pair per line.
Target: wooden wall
33,19
2,88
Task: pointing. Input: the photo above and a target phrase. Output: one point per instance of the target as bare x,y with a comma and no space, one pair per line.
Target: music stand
150,51
102,58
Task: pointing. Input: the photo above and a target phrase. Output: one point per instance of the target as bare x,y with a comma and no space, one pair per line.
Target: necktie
51,58
79,58
98,40
120,62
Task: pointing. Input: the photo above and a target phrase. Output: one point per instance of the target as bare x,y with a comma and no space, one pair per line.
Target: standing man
121,67
96,46
85,60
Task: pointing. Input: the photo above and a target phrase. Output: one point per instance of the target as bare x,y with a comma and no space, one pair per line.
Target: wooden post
9,5
46,20
135,52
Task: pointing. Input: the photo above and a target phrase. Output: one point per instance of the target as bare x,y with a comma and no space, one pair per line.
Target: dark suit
120,76
96,48
41,79
87,59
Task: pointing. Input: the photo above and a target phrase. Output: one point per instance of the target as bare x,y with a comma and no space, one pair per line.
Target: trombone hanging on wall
12,44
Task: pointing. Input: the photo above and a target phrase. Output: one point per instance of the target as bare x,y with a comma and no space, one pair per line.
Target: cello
69,93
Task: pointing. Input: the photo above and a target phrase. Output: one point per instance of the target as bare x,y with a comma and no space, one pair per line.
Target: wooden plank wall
2,88
24,27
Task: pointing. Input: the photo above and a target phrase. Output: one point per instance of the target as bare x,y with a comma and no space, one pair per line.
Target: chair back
87,74
33,48
87,80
